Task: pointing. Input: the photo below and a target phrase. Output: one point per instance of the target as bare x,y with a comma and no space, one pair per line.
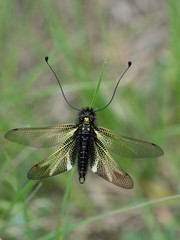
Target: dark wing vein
61,160
127,147
102,164
41,137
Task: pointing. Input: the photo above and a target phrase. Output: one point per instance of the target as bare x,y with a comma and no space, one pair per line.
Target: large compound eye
81,118
91,119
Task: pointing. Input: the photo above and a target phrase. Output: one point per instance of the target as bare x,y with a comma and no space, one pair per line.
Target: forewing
102,164
41,137
127,147
61,160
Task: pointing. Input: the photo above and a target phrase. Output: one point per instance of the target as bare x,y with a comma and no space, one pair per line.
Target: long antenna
46,59
129,64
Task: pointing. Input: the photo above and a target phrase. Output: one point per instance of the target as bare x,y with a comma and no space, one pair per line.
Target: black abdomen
83,158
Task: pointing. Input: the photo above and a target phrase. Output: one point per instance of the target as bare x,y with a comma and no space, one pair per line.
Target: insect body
84,143
85,136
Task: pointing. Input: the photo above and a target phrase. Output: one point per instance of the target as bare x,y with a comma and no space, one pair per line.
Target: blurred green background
78,36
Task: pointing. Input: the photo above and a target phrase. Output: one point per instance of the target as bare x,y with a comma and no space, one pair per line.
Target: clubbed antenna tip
46,59
129,63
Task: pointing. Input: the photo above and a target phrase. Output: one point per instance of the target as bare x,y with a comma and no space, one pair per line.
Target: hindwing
102,164
63,159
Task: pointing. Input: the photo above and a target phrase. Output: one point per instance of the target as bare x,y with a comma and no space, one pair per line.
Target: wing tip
160,150
7,134
35,173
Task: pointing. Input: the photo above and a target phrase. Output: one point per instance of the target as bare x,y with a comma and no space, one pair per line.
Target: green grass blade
18,198
120,210
67,213
50,236
98,85
66,202
3,227
107,214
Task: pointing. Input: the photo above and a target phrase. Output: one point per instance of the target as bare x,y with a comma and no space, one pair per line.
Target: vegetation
78,36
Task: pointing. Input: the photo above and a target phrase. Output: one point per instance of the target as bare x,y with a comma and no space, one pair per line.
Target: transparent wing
127,147
61,160
41,137
102,164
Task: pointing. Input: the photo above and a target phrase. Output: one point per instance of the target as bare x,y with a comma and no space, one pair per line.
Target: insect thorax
86,123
